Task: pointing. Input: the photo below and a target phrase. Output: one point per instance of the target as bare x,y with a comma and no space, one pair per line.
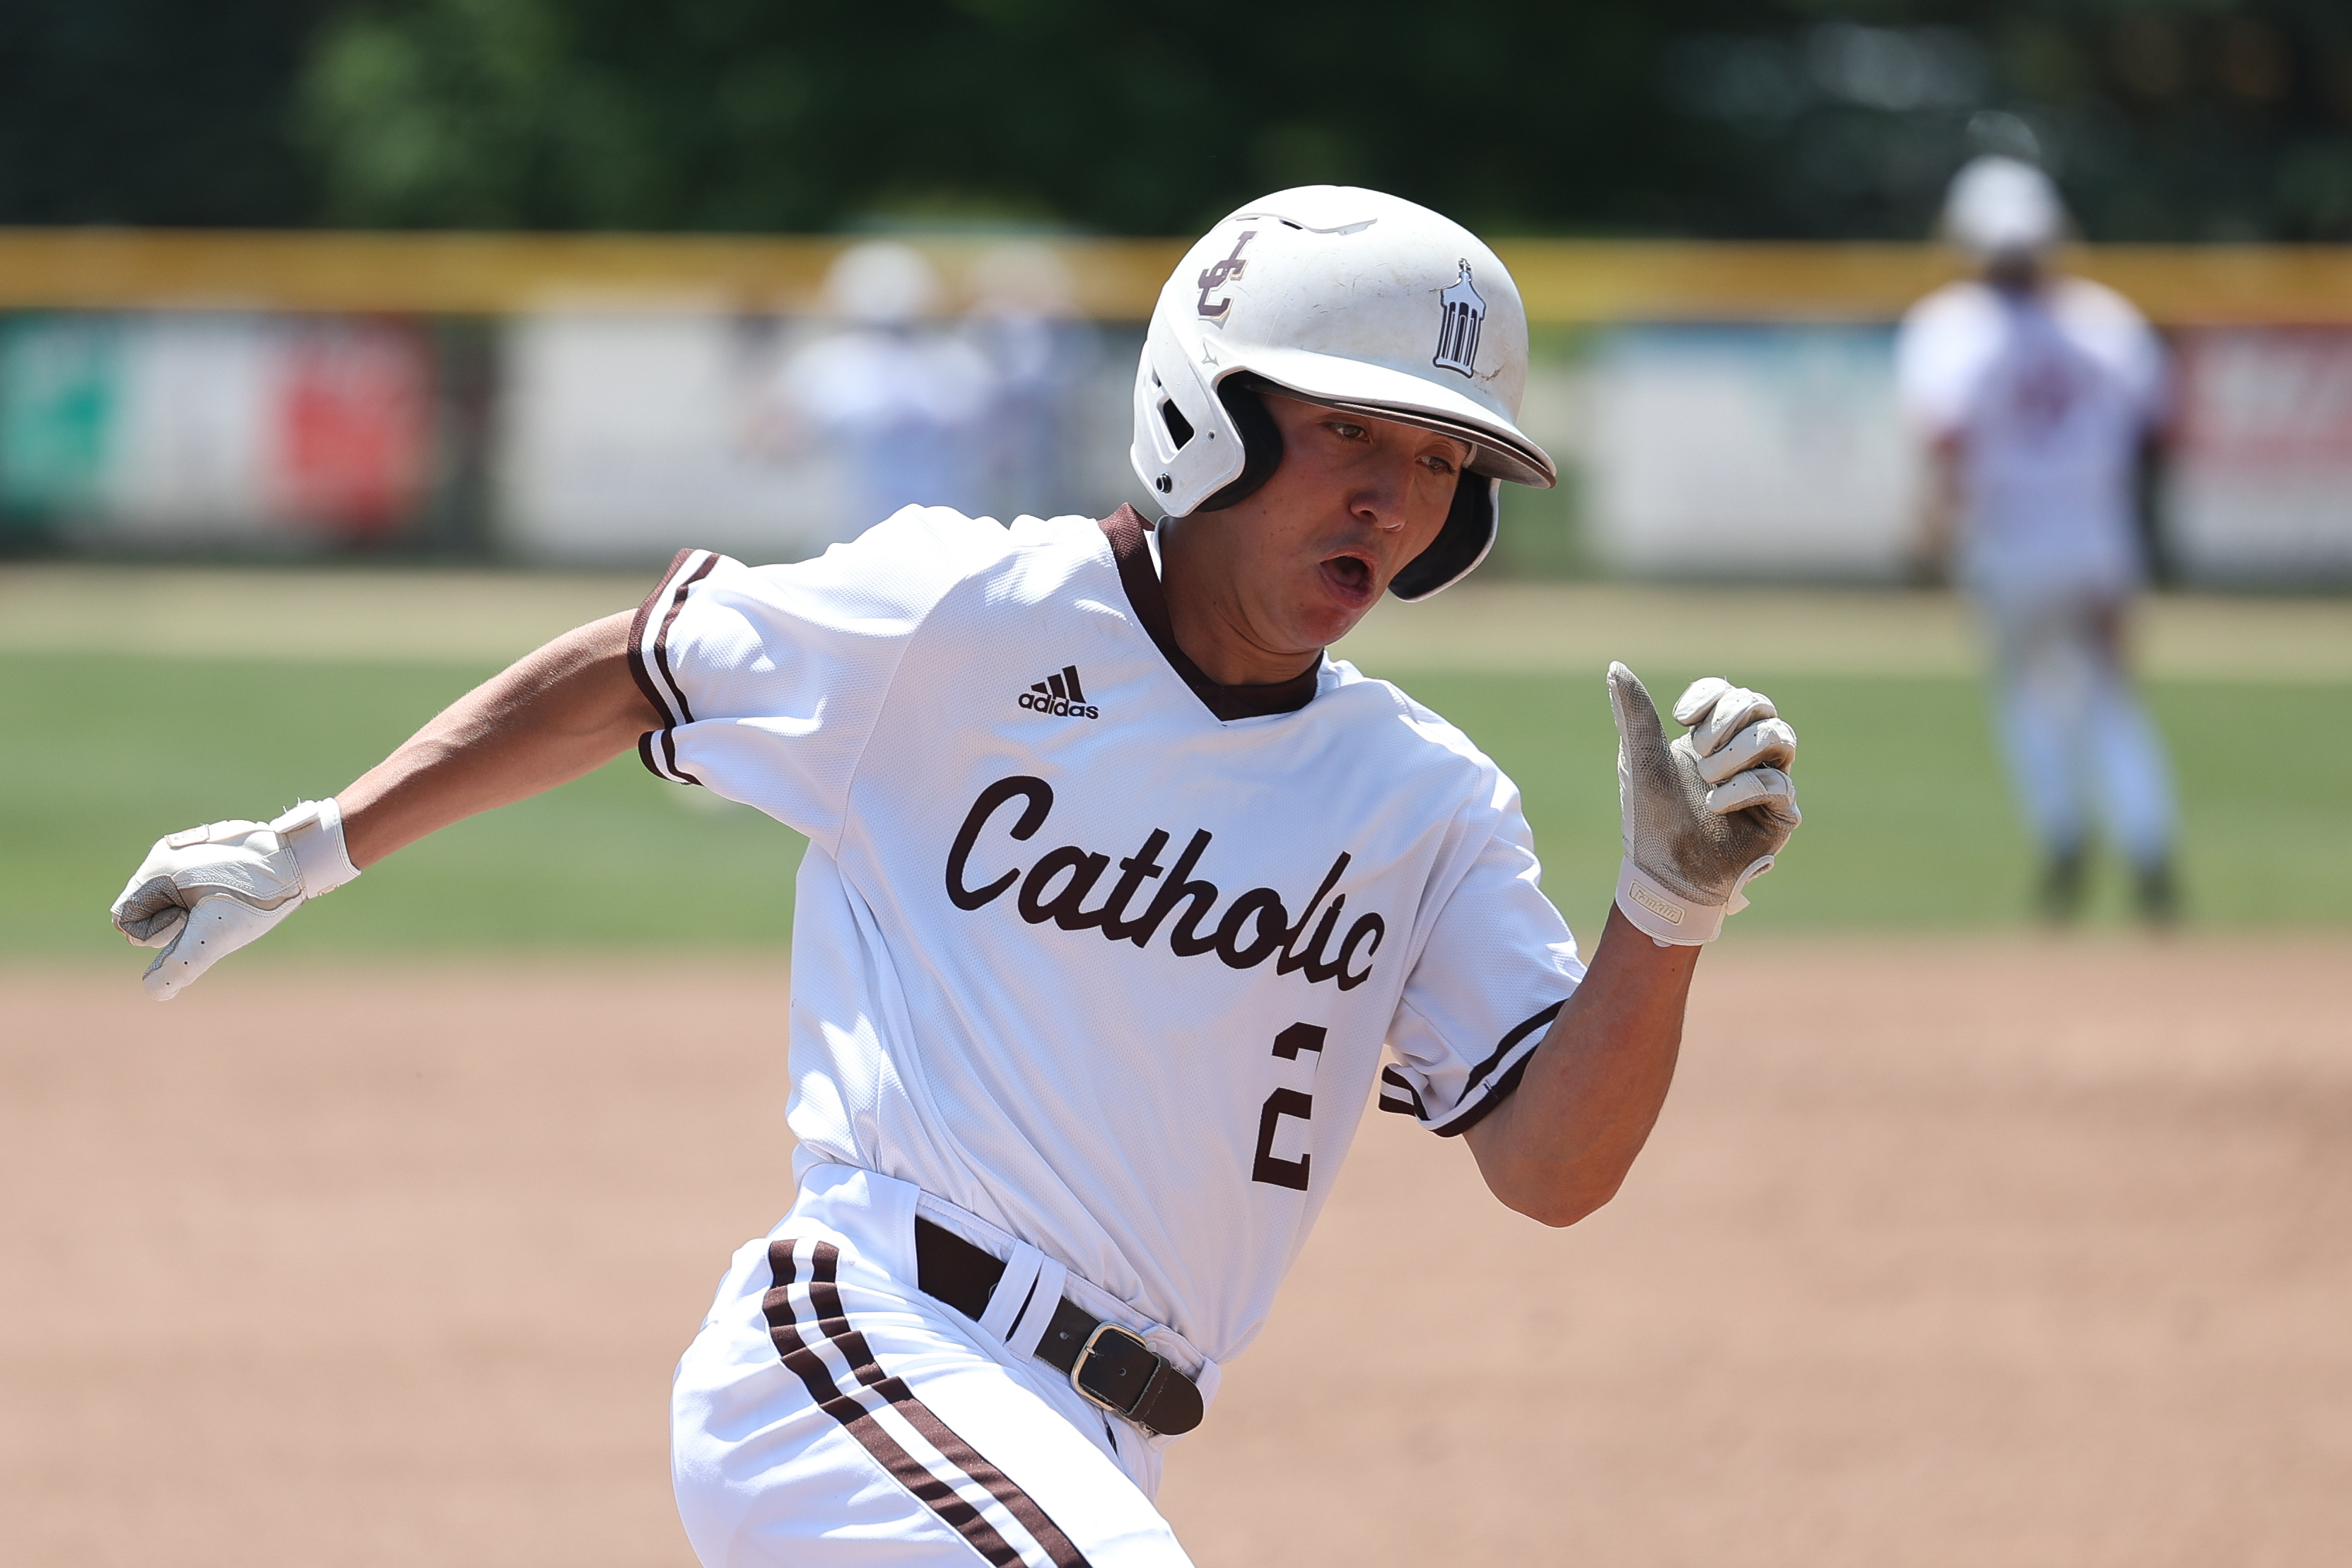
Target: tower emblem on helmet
1220,274
1463,312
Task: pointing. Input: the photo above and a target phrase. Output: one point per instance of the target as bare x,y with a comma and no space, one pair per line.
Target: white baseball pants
2072,728
830,1413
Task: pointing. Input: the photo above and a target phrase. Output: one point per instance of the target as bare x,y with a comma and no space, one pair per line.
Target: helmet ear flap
1460,545
1261,441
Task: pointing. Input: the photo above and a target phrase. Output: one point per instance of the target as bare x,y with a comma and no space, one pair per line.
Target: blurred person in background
904,401
1043,353
2036,392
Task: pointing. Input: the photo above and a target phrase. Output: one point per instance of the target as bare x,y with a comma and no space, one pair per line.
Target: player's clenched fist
1704,815
203,892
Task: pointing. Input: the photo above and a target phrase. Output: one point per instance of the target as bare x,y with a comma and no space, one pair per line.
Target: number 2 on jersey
1290,1102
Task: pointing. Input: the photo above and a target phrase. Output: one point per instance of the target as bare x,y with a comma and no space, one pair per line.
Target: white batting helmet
1351,300
2003,206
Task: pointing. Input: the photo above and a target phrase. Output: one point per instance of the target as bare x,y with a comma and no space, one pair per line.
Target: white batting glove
1705,816
203,892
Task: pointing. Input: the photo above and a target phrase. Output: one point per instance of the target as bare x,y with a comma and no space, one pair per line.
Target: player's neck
1207,613
2018,275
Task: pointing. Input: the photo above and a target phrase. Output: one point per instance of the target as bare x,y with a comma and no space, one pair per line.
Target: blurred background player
1043,355
925,410
2036,392
905,400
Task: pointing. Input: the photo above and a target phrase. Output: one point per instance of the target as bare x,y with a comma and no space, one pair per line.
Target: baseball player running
1117,889
2035,393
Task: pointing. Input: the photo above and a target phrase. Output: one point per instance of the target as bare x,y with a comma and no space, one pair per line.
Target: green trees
2164,119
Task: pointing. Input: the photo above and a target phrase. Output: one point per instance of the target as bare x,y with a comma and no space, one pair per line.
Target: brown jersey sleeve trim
1125,528
1398,1095
1471,1112
658,749
638,670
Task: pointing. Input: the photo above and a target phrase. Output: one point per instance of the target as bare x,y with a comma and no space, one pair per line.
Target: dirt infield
1944,1253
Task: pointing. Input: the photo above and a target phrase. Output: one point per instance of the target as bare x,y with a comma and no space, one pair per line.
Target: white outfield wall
633,402
622,437
1697,451
1728,451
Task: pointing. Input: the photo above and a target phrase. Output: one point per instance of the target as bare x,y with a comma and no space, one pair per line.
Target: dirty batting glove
203,892
1704,815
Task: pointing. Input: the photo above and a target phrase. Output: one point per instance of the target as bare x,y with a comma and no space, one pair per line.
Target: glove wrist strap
1662,915
314,831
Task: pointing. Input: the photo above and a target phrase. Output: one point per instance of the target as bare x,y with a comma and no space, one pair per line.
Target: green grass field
1907,824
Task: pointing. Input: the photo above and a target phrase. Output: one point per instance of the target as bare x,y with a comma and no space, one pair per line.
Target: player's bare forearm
1558,1147
1939,508
551,716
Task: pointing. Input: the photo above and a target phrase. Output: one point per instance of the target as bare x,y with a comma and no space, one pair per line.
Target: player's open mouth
1350,577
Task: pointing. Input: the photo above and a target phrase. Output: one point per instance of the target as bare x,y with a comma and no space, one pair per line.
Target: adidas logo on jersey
1060,695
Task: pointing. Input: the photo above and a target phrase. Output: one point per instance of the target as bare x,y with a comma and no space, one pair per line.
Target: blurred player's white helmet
881,283
2003,206
1351,300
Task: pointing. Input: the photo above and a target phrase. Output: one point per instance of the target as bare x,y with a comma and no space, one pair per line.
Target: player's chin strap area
1107,1364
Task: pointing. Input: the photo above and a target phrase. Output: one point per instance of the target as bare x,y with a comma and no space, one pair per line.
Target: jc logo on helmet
1463,312
1220,274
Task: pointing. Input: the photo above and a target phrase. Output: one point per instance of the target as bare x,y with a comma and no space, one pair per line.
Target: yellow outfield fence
1566,282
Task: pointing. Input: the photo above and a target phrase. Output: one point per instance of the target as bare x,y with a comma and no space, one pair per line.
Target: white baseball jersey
2050,392
1085,943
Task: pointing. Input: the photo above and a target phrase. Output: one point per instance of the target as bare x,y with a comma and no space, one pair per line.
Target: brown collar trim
1125,528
